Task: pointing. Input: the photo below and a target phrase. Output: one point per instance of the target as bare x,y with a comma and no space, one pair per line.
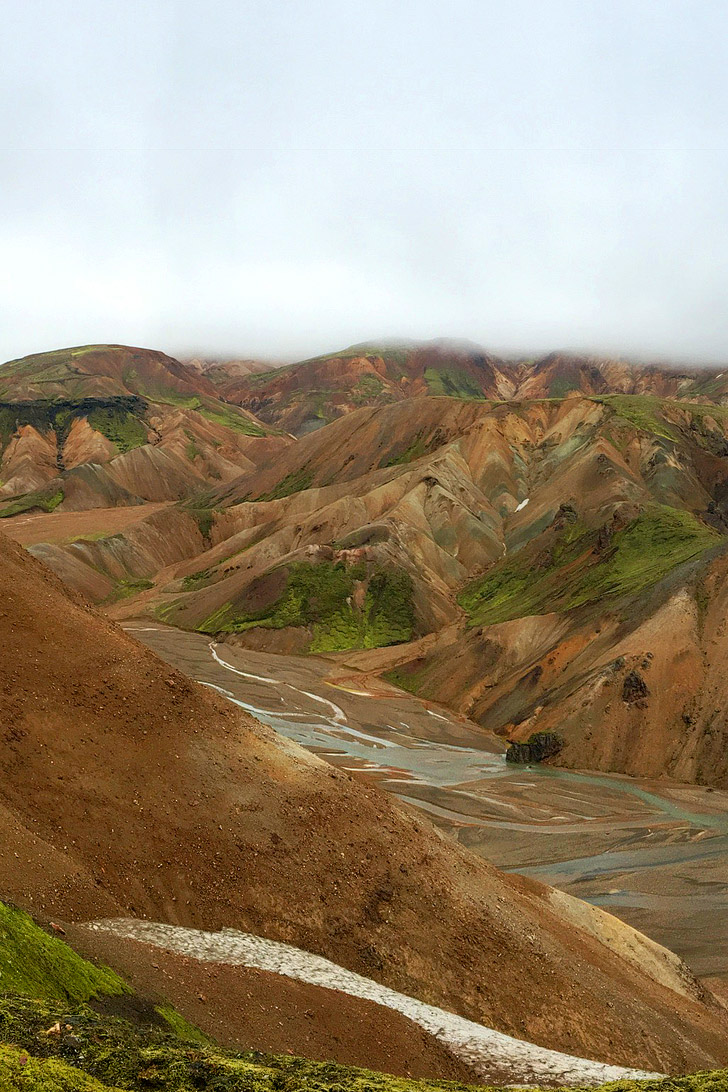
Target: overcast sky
279,178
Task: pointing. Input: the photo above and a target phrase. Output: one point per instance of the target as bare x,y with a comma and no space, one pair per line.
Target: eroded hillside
99,426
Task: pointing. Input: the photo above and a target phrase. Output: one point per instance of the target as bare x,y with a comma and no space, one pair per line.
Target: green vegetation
192,451
115,417
212,410
196,580
407,677
642,411
101,1053
367,389
46,499
322,596
578,570
121,427
295,482
181,1027
203,515
454,383
37,965
8,425
647,413
126,588
561,385
229,417
416,450
387,617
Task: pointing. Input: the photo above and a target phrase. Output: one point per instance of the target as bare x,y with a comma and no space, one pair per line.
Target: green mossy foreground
48,1048
34,964
579,569
69,1026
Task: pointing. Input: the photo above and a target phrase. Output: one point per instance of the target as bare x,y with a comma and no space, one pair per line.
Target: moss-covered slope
580,566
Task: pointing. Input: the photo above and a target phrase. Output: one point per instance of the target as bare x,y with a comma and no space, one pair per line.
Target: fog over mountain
275,179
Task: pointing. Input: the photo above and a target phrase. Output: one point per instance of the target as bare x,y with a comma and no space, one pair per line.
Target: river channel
654,853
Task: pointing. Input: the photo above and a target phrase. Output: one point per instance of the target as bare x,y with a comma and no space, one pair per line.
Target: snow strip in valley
486,1050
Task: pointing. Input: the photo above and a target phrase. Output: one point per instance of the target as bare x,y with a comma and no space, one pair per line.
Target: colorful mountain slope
98,426
307,395
566,488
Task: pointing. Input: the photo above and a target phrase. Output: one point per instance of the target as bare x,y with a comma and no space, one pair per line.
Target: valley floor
653,853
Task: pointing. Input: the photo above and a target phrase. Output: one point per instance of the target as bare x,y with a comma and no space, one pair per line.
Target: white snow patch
522,504
485,1049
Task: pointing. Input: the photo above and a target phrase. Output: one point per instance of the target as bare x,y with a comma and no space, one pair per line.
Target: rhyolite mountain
126,790
104,425
304,396
538,544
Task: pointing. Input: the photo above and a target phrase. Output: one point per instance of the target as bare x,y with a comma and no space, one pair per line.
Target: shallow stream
654,853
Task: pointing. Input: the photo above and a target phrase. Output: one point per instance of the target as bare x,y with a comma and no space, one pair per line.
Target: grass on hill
107,1054
47,499
574,571
217,413
128,587
295,482
321,596
121,427
34,964
454,383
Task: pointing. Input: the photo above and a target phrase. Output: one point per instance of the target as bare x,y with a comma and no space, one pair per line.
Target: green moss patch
578,568
228,417
323,596
415,450
126,588
203,516
21,1072
34,964
181,1027
368,389
47,500
561,385
453,383
295,482
121,427
196,580
408,676
642,411
98,1053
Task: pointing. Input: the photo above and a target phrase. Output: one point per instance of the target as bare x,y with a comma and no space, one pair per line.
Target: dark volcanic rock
541,745
634,688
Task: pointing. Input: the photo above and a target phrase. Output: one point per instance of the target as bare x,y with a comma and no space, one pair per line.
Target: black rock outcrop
539,746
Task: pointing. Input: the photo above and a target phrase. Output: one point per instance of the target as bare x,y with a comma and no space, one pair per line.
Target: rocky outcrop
541,745
634,687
